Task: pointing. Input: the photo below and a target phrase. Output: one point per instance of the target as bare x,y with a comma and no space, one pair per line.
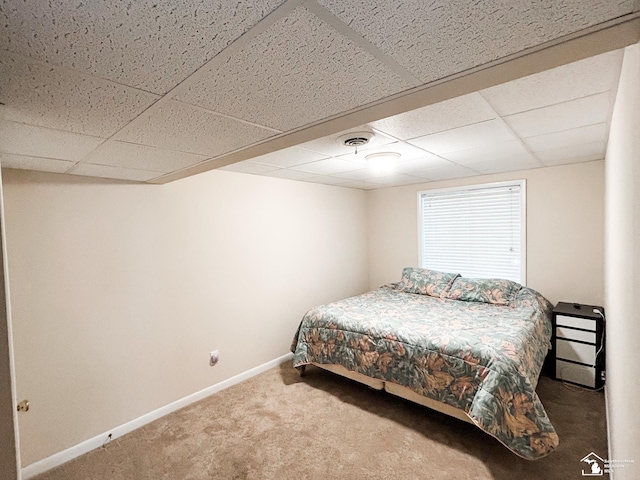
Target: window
477,231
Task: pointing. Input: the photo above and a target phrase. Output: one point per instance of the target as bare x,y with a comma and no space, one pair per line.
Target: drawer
576,322
571,334
576,373
578,352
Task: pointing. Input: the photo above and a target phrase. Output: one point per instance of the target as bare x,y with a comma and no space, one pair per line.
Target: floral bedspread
484,359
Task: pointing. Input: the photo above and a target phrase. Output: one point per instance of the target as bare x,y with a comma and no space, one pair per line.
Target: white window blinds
476,231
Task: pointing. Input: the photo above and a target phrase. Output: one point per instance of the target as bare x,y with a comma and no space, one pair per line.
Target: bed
470,348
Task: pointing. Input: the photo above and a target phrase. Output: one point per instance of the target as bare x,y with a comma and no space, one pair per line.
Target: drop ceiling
153,91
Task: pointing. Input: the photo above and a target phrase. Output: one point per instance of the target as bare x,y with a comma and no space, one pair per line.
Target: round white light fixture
383,162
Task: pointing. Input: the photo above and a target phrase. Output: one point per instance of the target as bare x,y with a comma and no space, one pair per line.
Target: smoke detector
355,139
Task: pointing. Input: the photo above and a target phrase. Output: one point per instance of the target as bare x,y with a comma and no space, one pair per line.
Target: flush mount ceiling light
383,162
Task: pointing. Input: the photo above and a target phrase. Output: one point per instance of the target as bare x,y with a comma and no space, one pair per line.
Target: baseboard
64,456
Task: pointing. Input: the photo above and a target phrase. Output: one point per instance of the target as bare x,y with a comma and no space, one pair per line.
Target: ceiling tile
421,164
512,164
130,155
396,178
56,97
9,160
178,126
440,38
462,138
445,173
579,79
367,174
288,157
457,112
331,147
491,152
306,71
359,184
328,167
568,138
563,116
147,44
29,140
117,173
250,167
289,174
326,180
575,154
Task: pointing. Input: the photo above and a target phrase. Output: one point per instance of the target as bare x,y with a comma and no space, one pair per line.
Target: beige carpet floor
279,426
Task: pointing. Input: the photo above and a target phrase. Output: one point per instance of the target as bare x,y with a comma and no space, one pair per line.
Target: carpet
280,426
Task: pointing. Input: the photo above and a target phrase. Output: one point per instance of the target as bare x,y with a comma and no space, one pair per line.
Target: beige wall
623,268
120,291
564,230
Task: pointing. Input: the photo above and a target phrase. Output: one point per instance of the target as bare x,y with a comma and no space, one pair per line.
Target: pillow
486,290
425,282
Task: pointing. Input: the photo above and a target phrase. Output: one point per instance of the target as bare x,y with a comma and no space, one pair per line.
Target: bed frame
393,389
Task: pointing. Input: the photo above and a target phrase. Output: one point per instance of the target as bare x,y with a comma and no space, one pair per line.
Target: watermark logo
595,465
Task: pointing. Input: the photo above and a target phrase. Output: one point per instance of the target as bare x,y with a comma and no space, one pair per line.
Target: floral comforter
484,359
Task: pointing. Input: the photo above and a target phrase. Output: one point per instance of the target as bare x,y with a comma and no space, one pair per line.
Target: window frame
522,183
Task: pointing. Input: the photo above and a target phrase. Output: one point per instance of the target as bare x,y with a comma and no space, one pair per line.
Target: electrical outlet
214,357
23,406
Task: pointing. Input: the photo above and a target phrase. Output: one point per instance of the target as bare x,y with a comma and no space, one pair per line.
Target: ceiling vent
355,139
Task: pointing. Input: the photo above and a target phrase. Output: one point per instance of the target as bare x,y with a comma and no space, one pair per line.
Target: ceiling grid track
515,136
339,26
